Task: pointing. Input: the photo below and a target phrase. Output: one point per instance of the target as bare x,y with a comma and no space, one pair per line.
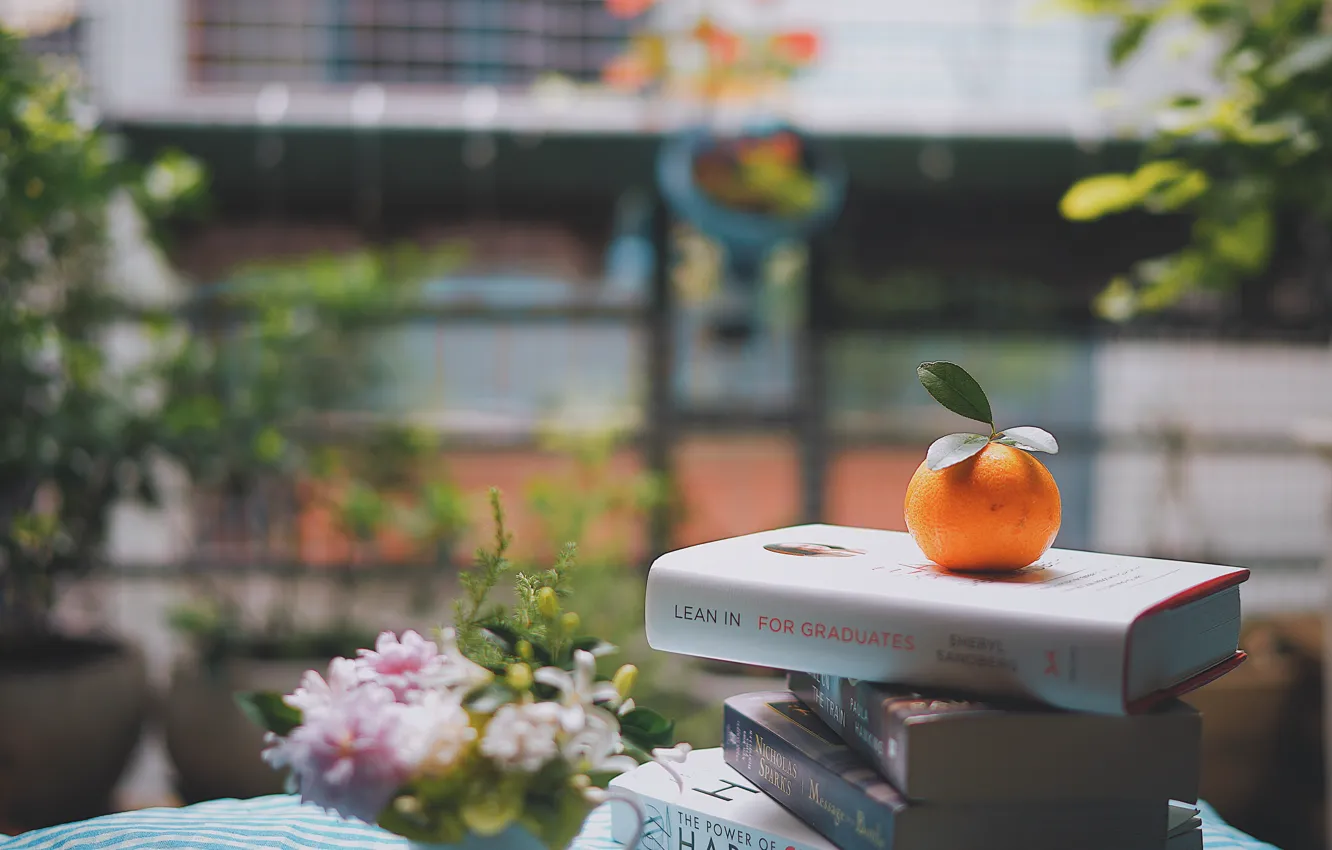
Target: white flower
597,748
434,733
668,758
579,690
316,694
522,737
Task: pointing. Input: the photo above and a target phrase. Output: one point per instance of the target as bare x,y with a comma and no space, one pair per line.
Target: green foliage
569,505
1233,161
951,386
77,431
362,511
609,585
438,518
268,711
475,610
286,347
536,628
954,388
217,629
256,394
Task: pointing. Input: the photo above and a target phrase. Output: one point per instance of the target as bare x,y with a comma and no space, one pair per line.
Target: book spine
852,713
1069,662
672,827
824,800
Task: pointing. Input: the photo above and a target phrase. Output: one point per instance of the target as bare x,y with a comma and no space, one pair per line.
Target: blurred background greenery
289,286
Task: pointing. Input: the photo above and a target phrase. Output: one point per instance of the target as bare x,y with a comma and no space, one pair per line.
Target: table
283,822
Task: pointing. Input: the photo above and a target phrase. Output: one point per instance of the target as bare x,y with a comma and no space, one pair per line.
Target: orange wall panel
867,486
732,485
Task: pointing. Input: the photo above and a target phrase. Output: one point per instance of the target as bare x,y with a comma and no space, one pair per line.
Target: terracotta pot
73,710
215,748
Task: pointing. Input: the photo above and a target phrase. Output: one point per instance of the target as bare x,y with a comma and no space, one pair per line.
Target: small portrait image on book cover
814,550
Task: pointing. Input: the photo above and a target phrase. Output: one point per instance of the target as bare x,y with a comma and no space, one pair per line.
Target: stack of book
927,709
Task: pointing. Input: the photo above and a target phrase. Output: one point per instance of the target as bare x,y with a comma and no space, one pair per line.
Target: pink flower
314,693
399,665
453,671
346,756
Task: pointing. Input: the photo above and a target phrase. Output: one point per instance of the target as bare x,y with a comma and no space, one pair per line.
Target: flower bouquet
502,727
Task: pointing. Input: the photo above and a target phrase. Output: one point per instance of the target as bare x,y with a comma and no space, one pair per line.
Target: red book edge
1211,674
1198,591
1192,683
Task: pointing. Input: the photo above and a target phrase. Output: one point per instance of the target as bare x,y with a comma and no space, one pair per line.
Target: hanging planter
752,190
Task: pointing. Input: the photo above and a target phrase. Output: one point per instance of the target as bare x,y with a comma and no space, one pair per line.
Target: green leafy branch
1232,160
475,610
951,386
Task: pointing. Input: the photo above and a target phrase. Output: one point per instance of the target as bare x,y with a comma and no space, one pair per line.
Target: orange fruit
996,510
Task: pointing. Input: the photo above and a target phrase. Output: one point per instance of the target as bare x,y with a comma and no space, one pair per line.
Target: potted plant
80,430
751,190
503,733
260,428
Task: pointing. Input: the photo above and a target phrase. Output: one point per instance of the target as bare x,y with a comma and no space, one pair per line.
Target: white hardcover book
1080,630
718,809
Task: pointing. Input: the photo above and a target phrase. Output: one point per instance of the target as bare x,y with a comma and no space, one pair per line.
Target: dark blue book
776,742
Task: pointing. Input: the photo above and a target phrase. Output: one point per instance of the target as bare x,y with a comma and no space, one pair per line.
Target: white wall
136,52
1256,505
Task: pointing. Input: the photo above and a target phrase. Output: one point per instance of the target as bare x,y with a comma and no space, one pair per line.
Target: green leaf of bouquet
954,448
1029,438
490,807
647,728
566,820
267,710
602,778
951,386
501,636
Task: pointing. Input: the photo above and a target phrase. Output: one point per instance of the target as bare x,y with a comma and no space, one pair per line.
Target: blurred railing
441,42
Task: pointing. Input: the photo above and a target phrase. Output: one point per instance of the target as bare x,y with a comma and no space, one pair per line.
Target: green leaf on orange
1029,438
951,386
954,448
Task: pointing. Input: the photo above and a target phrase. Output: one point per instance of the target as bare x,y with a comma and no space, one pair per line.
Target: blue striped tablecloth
282,823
